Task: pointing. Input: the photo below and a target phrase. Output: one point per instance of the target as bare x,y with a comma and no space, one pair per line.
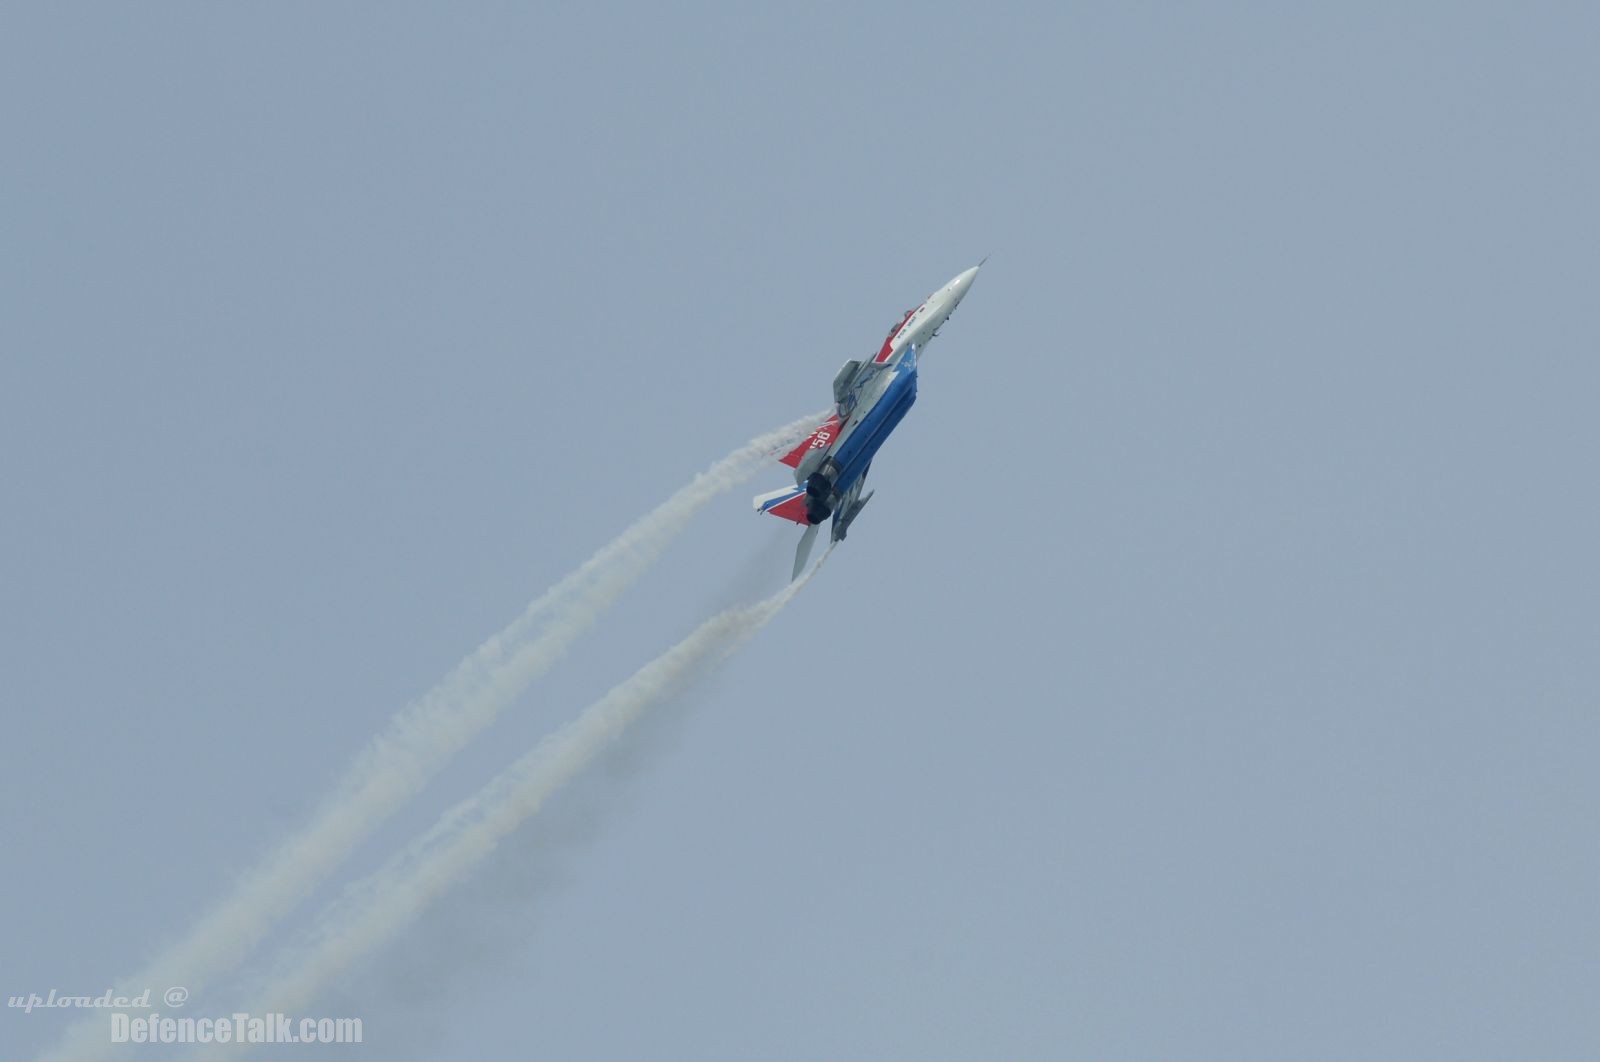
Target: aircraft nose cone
959,286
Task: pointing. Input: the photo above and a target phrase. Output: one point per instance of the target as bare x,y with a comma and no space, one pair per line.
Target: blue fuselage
855,452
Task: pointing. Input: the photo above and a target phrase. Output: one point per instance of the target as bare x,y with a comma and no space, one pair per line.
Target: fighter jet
870,397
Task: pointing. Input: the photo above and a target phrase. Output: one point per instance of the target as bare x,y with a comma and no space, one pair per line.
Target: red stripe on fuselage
888,344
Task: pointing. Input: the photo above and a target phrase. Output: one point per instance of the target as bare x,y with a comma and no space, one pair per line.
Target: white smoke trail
379,907
422,737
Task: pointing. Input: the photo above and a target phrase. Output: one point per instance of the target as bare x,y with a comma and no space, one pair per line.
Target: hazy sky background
1215,675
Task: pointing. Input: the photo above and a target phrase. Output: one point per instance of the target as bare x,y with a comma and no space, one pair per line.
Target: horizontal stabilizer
803,550
787,502
820,439
842,521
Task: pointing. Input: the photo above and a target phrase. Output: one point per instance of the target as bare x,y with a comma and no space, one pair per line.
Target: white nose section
959,286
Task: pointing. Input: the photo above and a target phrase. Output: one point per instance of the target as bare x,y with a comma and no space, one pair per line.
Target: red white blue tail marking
787,502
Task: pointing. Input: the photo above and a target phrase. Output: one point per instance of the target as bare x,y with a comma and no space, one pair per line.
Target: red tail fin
820,439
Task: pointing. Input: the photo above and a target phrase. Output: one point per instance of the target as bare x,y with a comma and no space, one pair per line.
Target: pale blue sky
1214,676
